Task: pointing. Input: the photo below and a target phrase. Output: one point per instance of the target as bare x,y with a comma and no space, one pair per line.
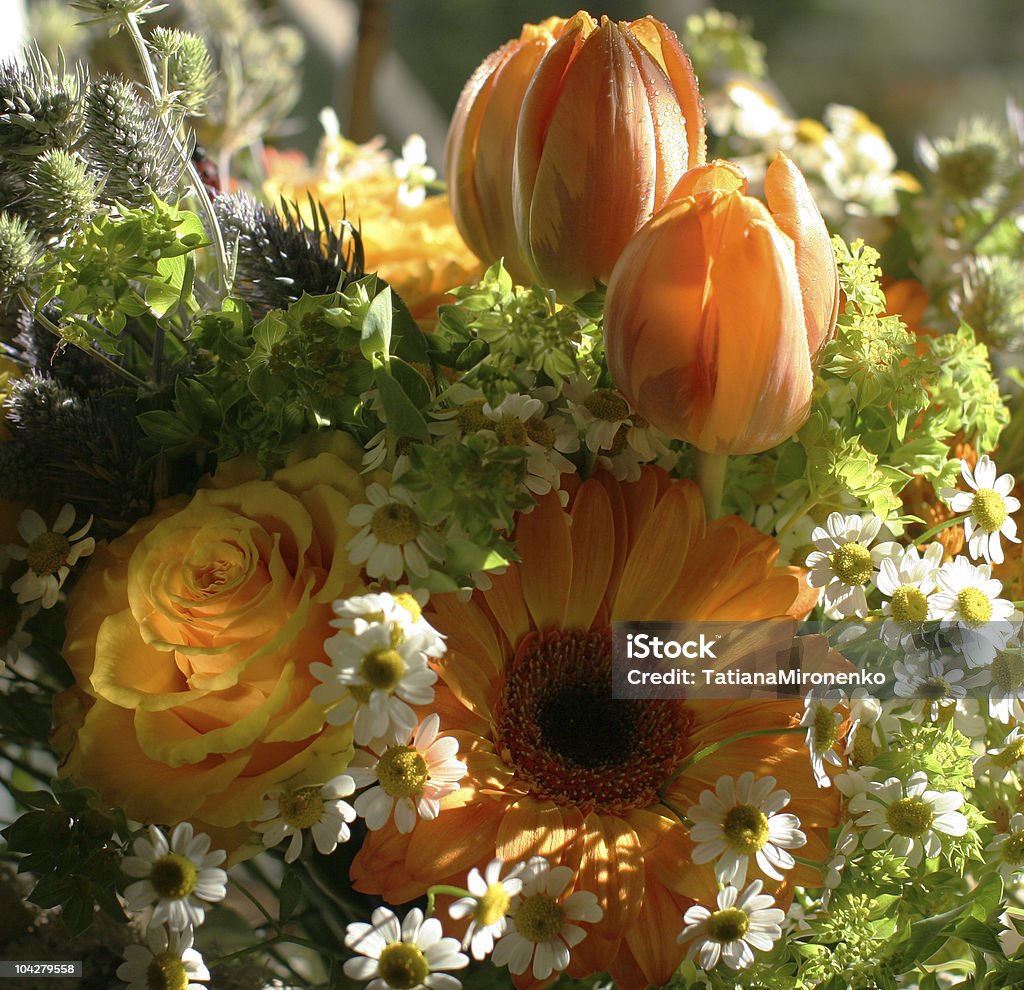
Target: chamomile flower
842,564
179,879
402,610
822,722
906,580
317,808
740,819
933,683
846,845
393,538
743,922
410,778
413,170
488,906
404,955
375,675
1007,848
1000,762
863,738
990,507
167,959
967,601
908,816
1006,698
542,930
50,553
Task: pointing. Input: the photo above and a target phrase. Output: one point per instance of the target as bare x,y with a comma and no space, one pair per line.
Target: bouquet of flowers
343,520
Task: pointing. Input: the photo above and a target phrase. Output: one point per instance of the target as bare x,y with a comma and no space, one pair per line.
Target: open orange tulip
718,309
606,118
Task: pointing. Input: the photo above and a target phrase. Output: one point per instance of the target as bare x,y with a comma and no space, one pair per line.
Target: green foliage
68,840
123,266
504,338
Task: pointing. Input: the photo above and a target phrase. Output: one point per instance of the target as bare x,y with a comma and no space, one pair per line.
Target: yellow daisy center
540,432
471,417
539,918
402,966
909,604
383,669
989,509
825,735
410,604
974,605
1011,754
395,524
909,816
301,808
1013,848
934,688
166,972
1007,671
402,772
745,829
493,905
864,748
606,404
173,876
511,432
728,925
48,553
851,563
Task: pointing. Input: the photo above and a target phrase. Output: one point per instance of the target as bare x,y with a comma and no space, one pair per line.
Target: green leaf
403,418
289,895
977,933
375,340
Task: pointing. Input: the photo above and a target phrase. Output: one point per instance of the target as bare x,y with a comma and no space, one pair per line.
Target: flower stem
443,889
203,202
709,473
935,530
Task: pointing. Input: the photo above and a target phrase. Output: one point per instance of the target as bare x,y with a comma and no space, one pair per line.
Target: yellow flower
191,637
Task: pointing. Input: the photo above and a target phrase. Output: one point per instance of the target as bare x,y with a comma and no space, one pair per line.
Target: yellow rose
191,636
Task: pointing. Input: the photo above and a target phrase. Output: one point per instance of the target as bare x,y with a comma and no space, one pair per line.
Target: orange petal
540,828
592,534
542,538
612,867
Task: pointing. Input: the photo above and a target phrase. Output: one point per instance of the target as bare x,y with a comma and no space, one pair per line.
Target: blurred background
397,66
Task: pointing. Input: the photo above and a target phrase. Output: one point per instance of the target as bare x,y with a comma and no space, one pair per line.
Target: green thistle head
61,194
18,252
183,62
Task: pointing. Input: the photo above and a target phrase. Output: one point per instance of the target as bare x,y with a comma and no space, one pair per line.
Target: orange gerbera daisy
556,766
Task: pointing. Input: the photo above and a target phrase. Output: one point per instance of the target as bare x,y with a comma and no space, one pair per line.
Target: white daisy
178,879
488,906
166,960
1000,762
934,683
393,537
979,622
413,170
519,421
1008,849
50,553
1006,699
404,956
740,819
907,580
318,808
411,778
402,609
864,737
907,817
743,922
990,507
542,931
375,675
846,845
822,722
842,564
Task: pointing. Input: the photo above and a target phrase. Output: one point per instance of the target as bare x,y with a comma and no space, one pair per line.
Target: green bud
62,194
185,65
18,252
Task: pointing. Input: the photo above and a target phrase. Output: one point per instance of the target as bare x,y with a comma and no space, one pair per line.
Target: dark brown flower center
562,731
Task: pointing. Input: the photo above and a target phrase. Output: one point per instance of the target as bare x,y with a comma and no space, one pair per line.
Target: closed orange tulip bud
718,309
567,140
481,145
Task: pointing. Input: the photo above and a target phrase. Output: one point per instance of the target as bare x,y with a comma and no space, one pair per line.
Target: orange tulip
606,118
719,308
481,145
